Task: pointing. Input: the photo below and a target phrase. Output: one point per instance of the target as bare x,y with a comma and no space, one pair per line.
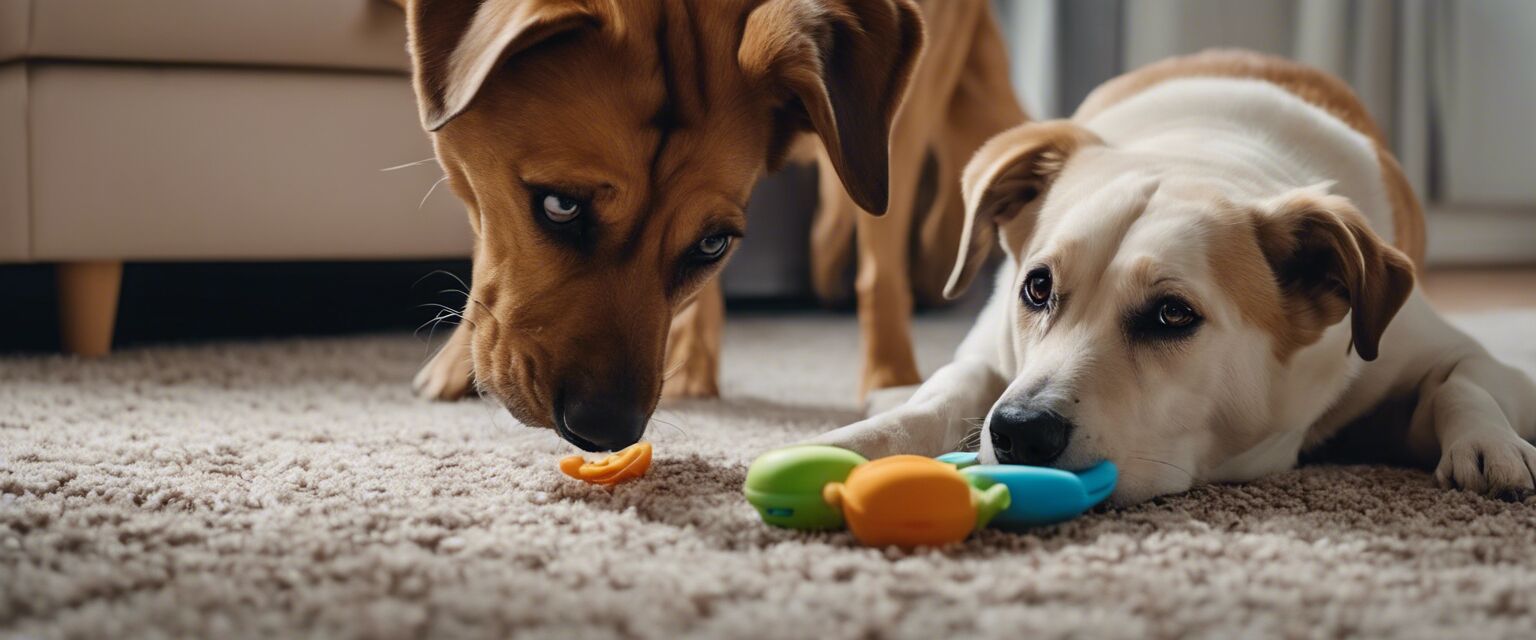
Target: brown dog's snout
601,417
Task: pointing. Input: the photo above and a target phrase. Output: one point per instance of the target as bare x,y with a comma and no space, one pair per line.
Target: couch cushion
336,34
199,163
13,28
15,236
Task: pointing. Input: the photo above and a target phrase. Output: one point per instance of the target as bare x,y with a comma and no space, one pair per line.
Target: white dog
1208,274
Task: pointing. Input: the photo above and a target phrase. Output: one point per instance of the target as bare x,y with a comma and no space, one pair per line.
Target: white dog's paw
882,400
1496,464
870,438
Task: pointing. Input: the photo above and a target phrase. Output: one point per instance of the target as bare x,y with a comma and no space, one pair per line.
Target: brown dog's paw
447,376
686,385
1498,465
878,377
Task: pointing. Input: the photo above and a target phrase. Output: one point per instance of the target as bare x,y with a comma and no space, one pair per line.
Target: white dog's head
1157,322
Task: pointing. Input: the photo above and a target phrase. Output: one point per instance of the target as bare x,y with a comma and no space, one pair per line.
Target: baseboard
1467,236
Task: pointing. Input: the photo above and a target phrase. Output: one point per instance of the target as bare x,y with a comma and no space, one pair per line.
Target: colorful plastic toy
1042,495
627,464
786,484
912,501
960,459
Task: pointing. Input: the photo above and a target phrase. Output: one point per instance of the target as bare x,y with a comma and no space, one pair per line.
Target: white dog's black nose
1028,436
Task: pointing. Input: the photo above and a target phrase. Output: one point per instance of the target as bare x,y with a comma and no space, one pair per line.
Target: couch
187,130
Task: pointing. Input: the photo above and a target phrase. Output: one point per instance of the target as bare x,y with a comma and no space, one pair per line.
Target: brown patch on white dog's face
1157,324
1291,321
606,151
1324,253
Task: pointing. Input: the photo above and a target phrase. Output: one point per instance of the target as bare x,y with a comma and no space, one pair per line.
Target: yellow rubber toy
628,464
912,501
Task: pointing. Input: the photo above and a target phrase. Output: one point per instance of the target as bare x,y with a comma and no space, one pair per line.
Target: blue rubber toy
1038,495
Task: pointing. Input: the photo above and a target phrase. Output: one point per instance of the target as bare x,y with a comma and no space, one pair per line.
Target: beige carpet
293,488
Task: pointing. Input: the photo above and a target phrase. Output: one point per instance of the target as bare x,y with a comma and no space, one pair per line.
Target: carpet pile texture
294,488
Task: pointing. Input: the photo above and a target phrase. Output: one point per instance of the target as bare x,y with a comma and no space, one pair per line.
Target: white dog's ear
1322,249
846,64
455,45
1005,184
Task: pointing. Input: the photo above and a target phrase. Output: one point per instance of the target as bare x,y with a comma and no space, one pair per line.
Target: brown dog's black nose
601,422
1028,436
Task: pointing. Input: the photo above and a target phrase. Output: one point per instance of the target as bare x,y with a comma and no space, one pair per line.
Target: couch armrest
15,199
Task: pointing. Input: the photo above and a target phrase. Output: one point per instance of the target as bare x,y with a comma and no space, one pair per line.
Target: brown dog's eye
713,247
561,209
1176,315
1037,288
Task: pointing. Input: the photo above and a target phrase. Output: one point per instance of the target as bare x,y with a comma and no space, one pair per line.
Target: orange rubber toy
621,466
912,501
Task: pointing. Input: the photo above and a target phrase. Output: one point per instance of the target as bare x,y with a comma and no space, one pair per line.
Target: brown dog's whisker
440,317
410,164
463,290
454,313
431,189
431,335
470,298
446,313
439,305
462,284
440,272
655,420
669,416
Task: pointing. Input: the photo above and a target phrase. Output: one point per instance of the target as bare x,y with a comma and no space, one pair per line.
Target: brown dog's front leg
983,105
447,376
885,301
832,234
884,282
693,346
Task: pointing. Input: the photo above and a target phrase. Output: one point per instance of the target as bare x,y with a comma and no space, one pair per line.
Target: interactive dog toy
627,464
912,501
1039,495
786,484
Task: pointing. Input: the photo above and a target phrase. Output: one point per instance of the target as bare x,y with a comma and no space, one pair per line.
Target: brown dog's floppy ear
1320,245
456,44
1009,174
848,63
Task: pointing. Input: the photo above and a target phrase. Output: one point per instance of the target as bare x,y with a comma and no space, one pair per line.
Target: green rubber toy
785,485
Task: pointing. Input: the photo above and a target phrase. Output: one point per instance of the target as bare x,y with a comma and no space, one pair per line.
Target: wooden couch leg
88,305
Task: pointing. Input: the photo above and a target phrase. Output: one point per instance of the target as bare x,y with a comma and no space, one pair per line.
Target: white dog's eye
561,209
1037,288
1176,315
1169,318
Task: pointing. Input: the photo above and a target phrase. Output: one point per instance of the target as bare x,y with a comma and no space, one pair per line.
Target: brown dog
606,148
